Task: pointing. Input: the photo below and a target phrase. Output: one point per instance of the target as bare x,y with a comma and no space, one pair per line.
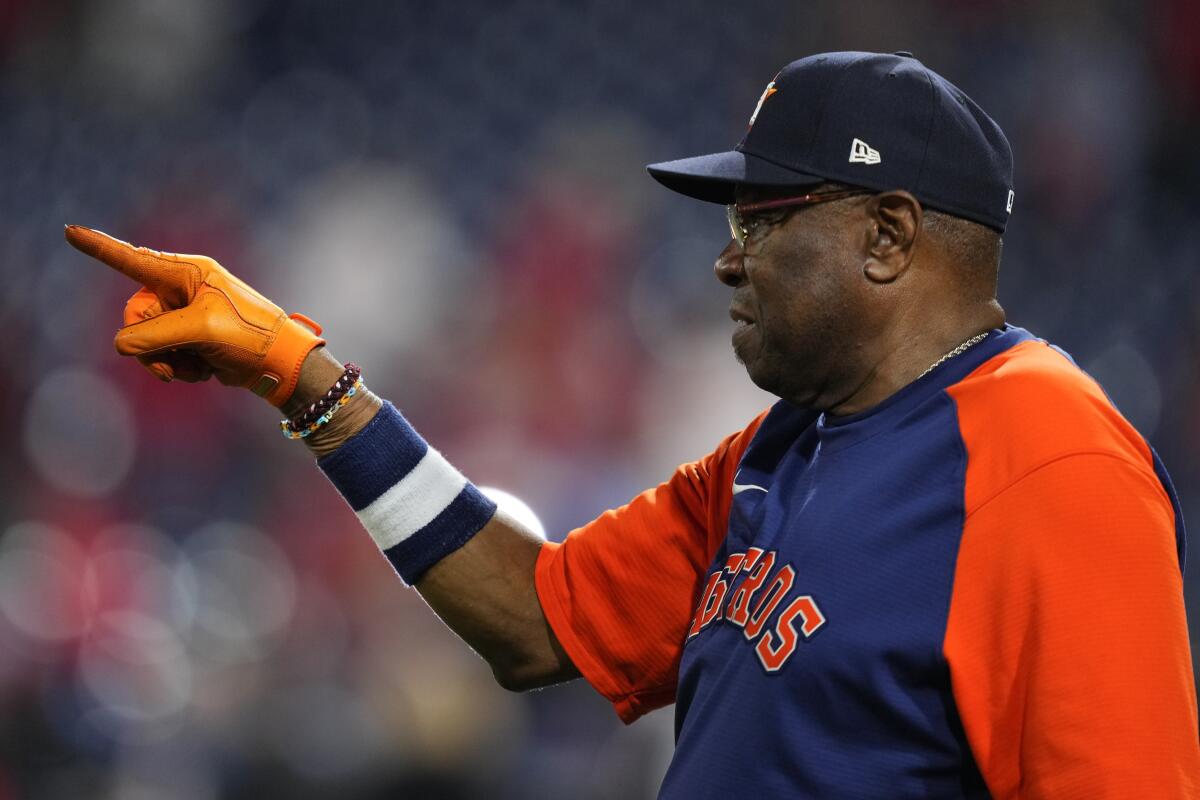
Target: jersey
972,589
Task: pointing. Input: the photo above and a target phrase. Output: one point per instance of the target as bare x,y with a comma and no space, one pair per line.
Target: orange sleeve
620,591
1067,641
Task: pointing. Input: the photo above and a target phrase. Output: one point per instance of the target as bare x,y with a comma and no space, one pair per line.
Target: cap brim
714,177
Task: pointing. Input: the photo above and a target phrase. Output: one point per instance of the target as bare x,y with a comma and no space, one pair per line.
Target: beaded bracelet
320,412
350,375
286,425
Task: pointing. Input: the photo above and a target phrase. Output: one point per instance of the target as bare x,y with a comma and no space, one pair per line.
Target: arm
618,593
484,590
192,319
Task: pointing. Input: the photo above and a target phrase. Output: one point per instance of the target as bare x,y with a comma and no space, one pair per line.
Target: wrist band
414,504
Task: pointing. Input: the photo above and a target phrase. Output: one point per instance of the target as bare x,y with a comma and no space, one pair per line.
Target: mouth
740,318
743,324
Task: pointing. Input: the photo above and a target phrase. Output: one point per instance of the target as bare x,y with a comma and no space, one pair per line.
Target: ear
895,219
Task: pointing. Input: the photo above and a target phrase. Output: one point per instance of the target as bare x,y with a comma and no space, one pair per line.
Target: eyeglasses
742,228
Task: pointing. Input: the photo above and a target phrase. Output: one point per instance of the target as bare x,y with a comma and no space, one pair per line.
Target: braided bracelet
321,411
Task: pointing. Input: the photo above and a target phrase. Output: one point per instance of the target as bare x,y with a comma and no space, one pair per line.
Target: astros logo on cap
767,92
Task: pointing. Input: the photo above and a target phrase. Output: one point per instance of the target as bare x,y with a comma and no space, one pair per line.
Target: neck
908,351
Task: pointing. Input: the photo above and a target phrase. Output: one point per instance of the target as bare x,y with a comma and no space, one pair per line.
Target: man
942,565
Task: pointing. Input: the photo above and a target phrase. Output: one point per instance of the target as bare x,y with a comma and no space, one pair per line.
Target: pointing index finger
174,280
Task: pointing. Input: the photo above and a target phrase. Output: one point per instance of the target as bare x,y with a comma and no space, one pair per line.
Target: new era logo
863,153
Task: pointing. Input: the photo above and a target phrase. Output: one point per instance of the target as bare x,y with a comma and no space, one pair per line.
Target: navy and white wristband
414,504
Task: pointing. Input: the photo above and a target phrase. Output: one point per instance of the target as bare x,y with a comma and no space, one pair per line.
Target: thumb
164,331
143,305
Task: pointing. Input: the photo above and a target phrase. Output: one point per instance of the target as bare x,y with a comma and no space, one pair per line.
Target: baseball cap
876,120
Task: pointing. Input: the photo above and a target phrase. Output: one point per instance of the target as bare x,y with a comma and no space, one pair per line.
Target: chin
764,371
760,375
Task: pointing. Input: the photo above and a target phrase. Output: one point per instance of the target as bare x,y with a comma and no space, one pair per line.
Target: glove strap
307,321
281,365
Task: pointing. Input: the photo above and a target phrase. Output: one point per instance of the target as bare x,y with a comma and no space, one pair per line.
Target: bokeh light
516,508
137,672
39,569
245,592
79,432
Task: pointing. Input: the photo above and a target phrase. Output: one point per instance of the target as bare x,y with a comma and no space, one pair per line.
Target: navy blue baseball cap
879,121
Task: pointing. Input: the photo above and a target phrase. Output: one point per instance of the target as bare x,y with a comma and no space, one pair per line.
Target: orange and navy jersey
972,589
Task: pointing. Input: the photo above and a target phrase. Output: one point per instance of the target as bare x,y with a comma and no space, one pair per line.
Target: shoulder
1030,406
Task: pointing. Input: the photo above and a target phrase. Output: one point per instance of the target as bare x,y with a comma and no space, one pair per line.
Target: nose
729,267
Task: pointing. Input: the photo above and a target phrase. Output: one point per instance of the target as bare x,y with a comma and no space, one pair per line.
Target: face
799,300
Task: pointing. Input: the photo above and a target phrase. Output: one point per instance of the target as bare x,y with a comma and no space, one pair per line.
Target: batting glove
193,319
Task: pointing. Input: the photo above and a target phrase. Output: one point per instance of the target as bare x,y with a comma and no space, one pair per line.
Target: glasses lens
735,225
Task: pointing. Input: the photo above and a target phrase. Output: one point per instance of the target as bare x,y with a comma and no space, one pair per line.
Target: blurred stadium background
456,191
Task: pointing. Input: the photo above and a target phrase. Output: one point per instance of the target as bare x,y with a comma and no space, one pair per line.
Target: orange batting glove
193,319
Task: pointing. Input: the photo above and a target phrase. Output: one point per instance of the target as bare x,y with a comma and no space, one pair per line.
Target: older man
942,565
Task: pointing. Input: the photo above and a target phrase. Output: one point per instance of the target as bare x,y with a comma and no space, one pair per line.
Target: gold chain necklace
958,351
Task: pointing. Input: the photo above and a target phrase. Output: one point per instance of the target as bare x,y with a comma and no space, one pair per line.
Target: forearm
484,590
